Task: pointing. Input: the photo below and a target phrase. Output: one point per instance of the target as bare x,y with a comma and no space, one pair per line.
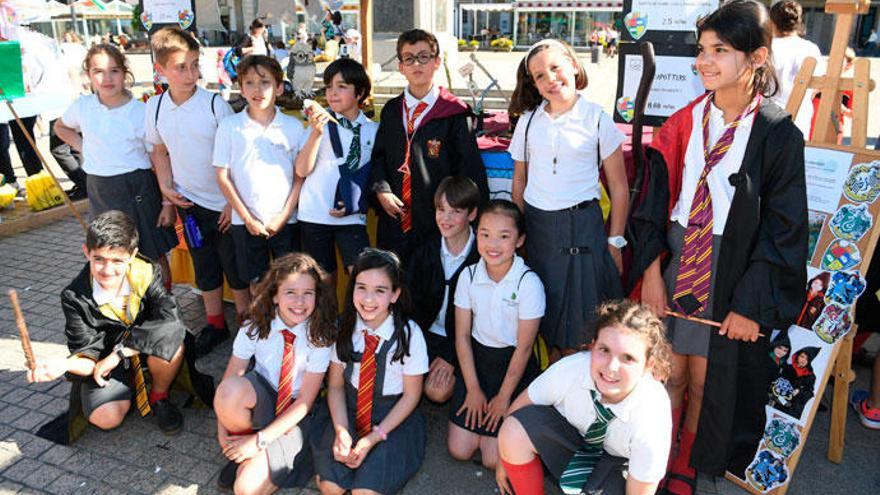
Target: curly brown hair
322,322
640,320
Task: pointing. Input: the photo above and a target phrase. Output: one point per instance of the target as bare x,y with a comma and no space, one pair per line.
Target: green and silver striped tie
581,465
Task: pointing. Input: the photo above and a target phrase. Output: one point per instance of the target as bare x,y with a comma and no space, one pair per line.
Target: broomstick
30,141
30,361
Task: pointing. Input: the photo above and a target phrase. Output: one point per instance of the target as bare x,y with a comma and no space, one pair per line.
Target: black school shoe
208,339
226,480
168,416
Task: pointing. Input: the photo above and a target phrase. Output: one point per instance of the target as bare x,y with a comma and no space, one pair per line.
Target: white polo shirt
571,139
718,179
451,262
412,101
642,421
260,161
415,364
498,307
319,189
113,138
188,131
269,353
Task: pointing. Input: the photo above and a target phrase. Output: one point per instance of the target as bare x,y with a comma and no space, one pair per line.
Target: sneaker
168,416
76,193
208,339
226,480
869,416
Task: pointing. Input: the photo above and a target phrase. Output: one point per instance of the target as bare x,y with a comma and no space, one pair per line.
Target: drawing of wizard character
793,388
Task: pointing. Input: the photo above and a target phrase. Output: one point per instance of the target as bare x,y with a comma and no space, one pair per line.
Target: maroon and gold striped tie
406,187
366,384
285,381
695,265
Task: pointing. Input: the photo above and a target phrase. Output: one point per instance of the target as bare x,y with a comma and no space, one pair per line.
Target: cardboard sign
843,185
163,12
675,83
11,75
664,20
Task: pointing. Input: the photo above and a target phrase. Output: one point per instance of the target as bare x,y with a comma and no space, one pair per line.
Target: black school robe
426,282
156,331
443,146
761,270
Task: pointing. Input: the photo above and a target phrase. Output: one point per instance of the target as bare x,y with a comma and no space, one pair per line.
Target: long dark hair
322,322
388,262
745,25
525,95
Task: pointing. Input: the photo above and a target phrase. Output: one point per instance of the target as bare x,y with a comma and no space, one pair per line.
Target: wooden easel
831,84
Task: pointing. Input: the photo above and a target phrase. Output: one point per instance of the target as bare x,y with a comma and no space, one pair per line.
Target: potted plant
464,46
502,45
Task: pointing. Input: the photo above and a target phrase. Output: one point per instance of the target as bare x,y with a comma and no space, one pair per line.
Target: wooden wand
704,321
30,361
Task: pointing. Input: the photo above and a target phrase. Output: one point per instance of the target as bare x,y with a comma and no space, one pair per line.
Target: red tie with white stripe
406,188
285,381
366,384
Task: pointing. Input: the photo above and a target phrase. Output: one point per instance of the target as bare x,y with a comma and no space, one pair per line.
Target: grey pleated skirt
137,195
568,249
687,337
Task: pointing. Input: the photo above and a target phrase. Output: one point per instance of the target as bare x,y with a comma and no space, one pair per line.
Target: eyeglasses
422,58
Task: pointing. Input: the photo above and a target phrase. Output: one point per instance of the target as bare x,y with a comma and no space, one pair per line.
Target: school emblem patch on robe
434,148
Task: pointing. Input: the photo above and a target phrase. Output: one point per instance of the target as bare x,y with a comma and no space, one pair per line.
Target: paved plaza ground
137,458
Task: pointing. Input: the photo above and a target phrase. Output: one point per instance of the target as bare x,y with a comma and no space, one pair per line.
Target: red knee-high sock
682,462
217,321
154,397
526,479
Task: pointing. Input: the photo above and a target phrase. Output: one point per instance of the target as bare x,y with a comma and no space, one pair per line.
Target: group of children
729,245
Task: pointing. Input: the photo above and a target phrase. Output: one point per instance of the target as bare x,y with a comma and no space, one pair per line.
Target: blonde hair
639,319
171,39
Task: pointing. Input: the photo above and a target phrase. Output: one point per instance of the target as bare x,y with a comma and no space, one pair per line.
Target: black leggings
26,153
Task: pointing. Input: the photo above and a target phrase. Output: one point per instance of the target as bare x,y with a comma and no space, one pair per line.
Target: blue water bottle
192,232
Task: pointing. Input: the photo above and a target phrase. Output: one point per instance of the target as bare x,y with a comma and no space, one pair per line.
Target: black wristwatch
117,349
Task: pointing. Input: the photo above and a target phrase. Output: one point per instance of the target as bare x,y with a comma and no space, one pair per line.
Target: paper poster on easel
843,185
11,75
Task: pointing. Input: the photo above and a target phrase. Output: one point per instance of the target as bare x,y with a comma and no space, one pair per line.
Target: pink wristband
381,433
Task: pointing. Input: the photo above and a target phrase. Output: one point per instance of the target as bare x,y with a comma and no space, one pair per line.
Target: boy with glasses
424,136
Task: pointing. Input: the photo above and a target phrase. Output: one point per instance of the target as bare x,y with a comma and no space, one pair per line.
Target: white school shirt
718,179
642,420
113,138
497,307
319,189
451,263
102,296
788,57
412,101
260,161
188,131
414,364
571,138
269,353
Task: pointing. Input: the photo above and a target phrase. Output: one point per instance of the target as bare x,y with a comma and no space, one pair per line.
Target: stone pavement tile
134,479
9,486
32,473
11,413
68,483
31,421
57,455
16,395
204,473
36,447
